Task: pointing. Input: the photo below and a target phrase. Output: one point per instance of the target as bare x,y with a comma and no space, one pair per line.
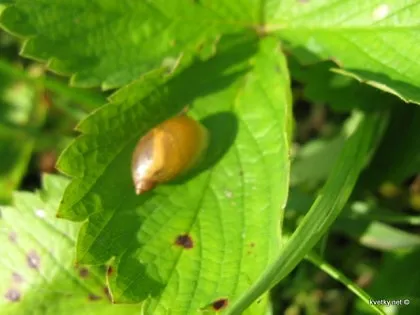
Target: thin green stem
339,276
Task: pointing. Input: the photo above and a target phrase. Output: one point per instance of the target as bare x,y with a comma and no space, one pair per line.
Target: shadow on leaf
223,128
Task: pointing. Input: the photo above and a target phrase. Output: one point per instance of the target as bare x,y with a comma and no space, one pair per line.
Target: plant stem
339,276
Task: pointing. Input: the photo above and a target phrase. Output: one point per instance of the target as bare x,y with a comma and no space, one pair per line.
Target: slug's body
167,151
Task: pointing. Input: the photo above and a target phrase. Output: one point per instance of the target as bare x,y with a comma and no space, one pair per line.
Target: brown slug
166,151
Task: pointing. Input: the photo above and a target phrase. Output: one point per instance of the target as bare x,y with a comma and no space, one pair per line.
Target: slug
167,151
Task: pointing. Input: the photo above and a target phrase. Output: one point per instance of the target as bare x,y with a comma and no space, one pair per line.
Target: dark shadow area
202,78
398,155
119,240
129,270
222,128
356,94
405,89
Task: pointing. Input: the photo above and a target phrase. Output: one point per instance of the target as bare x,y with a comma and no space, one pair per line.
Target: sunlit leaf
184,242
38,274
374,41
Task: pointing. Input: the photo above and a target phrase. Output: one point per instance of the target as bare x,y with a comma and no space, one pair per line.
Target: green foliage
211,241
204,207
37,261
365,133
374,41
366,222
143,35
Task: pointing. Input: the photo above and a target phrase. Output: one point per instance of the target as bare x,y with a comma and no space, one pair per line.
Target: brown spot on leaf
185,241
110,271
84,272
252,244
93,297
33,259
219,304
17,278
12,237
12,295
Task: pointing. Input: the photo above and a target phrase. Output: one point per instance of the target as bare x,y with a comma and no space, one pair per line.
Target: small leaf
359,211
378,235
370,226
374,41
112,42
37,263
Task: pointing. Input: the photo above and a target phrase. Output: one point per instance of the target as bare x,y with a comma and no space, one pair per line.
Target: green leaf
378,235
366,131
228,210
364,222
373,41
112,42
38,275
320,152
